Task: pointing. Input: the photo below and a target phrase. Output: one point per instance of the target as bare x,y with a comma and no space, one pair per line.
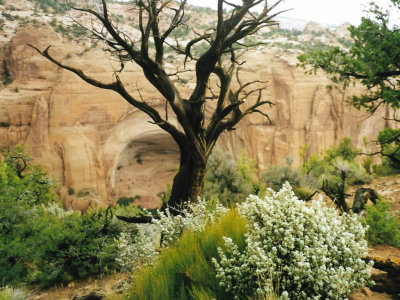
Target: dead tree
220,62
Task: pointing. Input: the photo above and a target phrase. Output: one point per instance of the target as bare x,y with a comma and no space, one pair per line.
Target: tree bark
188,182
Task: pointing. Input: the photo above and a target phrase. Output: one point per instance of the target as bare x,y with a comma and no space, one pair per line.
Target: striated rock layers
99,148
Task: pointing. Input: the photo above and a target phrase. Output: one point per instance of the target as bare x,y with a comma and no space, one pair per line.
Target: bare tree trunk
188,182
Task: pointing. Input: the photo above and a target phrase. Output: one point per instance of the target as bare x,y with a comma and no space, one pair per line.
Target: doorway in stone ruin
144,168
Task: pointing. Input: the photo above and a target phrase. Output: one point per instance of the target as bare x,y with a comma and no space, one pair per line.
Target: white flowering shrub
193,217
142,246
137,248
56,210
313,252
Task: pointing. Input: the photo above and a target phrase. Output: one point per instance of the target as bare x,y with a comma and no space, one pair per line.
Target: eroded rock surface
91,140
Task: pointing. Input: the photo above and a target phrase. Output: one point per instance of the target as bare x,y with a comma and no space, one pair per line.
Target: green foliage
39,242
23,182
6,80
367,164
276,175
43,249
185,270
71,190
84,192
126,201
138,157
58,7
389,141
227,180
383,224
345,150
182,31
335,172
383,170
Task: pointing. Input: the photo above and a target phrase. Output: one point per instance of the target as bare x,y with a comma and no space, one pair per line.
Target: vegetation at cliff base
277,246
40,243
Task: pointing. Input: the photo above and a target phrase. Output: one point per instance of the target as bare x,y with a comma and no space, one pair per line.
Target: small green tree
335,172
374,61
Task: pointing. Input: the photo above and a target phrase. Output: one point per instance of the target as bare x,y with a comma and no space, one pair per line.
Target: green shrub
39,242
84,192
275,176
345,150
383,170
6,80
185,271
126,201
57,7
226,180
335,172
44,249
71,190
367,164
304,193
383,224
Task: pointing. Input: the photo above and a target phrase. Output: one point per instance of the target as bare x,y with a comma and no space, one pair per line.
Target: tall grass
185,271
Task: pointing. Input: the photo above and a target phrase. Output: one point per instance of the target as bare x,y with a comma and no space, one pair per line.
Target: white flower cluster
57,210
142,246
137,249
193,217
305,251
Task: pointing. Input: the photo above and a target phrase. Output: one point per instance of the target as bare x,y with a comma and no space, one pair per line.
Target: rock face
99,148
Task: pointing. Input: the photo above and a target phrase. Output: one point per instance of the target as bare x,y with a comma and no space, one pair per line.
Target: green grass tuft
186,271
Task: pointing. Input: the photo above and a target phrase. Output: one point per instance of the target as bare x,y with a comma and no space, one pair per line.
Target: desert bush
85,192
335,171
140,245
383,170
71,190
57,7
40,243
194,217
314,252
345,150
276,175
227,180
137,247
126,201
185,270
76,247
383,224
44,249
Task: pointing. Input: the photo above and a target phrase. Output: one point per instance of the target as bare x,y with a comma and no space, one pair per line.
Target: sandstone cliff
99,148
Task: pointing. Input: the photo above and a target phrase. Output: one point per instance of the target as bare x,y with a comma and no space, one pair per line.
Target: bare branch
118,87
